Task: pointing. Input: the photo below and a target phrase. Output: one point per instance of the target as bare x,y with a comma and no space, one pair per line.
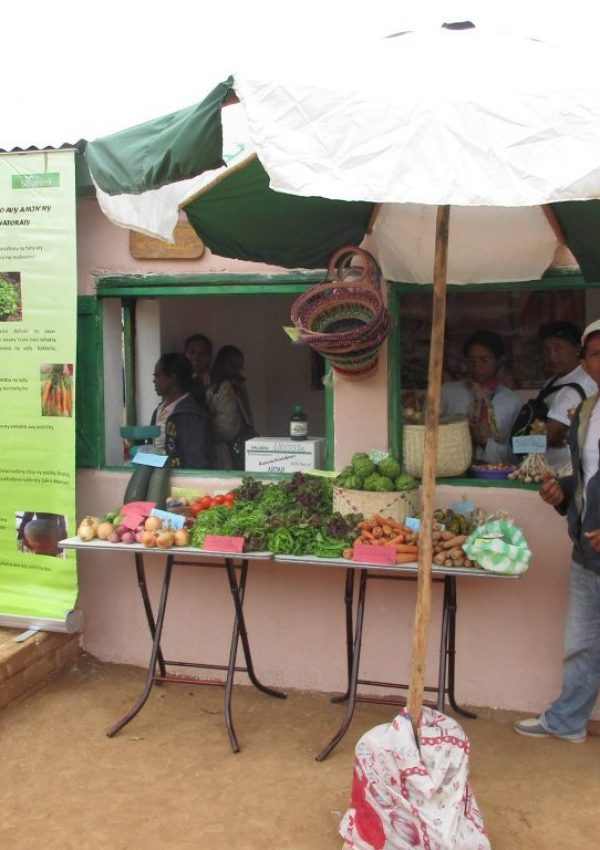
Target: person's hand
594,538
480,432
551,491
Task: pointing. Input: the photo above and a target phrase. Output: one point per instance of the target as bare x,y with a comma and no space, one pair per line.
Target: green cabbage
362,464
389,467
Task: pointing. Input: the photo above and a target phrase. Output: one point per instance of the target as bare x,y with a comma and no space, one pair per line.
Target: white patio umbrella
455,116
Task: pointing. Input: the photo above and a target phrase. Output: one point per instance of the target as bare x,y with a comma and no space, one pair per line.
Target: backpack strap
551,388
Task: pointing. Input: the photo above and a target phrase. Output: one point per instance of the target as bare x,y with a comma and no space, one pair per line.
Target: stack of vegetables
292,517
385,531
364,474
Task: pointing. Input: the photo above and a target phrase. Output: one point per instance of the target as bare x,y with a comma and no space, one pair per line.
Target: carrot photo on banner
57,389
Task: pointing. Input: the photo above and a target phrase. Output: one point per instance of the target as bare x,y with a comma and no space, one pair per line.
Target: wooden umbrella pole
432,415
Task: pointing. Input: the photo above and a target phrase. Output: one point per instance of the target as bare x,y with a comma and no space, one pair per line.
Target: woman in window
490,407
184,432
229,406
199,351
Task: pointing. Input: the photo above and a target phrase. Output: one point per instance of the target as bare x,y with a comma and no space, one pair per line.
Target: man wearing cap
578,497
570,384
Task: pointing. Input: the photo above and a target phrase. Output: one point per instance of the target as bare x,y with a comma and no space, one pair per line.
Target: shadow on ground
169,779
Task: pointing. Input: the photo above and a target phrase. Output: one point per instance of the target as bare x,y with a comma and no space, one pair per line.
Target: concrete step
28,664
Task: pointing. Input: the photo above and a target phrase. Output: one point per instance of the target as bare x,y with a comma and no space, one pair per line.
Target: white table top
294,560
412,567
178,551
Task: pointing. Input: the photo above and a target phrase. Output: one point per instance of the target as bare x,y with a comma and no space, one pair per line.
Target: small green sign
36,181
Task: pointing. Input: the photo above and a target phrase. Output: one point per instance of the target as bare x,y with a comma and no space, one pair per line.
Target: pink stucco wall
509,632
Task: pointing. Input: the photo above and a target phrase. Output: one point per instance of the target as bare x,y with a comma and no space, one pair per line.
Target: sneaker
534,728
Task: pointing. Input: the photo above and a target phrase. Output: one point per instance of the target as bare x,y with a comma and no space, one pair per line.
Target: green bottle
298,424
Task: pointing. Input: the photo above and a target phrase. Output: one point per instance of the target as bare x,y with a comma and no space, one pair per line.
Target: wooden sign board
187,245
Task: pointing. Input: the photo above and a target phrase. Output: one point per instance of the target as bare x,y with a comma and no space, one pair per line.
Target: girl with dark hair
490,407
184,431
229,407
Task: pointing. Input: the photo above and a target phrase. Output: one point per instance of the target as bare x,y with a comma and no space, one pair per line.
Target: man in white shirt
561,351
578,497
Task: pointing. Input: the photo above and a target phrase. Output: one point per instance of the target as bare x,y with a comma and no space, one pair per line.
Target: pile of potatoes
448,551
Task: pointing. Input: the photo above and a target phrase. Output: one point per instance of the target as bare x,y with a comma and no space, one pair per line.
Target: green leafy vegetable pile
292,517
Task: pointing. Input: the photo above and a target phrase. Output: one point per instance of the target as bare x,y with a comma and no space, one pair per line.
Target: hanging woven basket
344,317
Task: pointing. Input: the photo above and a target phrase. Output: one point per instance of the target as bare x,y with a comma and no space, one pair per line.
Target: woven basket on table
397,505
455,449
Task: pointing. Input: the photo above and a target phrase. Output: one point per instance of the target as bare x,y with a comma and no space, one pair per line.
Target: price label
216,543
172,520
374,554
532,444
147,459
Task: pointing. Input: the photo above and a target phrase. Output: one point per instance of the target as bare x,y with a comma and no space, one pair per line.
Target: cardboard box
280,454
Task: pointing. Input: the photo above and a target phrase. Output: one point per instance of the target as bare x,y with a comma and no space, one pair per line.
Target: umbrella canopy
302,165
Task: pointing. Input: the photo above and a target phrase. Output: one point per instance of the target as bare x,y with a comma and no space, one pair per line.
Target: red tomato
229,499
219,500
206,502
196,508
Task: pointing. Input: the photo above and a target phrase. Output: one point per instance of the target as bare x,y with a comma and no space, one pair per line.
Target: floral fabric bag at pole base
499,547
406,799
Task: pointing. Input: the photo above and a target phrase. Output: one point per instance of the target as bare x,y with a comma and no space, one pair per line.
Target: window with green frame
132,320
516,310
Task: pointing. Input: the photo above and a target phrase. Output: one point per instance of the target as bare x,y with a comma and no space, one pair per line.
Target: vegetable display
364,474
385,531
531,470
292,517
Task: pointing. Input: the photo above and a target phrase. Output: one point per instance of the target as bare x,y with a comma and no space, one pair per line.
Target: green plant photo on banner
38,303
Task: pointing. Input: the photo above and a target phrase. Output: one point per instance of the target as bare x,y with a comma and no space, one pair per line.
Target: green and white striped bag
499,547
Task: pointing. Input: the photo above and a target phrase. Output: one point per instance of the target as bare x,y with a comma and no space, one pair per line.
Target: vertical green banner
38,307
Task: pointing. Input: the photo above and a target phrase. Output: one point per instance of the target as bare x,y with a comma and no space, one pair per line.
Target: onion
153,523
182,538
104,530
165,539
121,529
139,536
86,532
128,537
115,537
148,539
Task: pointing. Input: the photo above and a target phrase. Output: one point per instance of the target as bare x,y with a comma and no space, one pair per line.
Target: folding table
187,556
354,628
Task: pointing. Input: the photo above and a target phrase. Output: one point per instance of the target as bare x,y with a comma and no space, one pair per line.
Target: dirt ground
169,779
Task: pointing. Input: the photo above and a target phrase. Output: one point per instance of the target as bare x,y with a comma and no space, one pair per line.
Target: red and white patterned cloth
404,799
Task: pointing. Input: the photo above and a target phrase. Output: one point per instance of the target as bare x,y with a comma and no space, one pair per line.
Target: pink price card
132,520
374,554
143,508
215,543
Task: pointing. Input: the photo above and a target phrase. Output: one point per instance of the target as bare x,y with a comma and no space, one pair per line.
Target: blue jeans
570,713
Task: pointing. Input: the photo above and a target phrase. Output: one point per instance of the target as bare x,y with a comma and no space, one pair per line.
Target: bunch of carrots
57,393
385,531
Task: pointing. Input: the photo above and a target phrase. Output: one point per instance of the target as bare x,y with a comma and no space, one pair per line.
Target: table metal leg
348,601
141,579
239,629
150,676
449,645
352,685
